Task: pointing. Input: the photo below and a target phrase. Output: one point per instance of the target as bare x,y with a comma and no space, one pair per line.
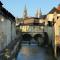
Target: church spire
38,13
25,12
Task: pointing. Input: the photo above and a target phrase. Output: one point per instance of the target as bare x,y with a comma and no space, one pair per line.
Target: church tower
25,12
38,13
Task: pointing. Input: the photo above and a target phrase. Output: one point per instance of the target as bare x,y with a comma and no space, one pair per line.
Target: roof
54,10
31,24
58,7
31,18
1,3
6,13
43,17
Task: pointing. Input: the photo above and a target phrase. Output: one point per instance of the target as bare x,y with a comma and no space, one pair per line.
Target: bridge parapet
31,28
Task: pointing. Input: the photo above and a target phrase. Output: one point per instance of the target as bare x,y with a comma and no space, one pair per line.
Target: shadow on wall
46,38
3,40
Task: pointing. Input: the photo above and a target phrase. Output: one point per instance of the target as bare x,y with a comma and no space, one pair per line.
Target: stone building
51,17
7,27
28,24
43,21
51,14
56,28
57,31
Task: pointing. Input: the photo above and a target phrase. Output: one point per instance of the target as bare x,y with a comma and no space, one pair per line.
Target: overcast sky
16,7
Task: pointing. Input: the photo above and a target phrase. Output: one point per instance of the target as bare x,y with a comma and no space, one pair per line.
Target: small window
57,17
49,23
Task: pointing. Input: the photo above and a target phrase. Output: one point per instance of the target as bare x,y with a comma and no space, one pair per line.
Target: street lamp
2,19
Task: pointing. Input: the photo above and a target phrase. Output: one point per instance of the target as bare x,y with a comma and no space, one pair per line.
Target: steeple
38,13
25,12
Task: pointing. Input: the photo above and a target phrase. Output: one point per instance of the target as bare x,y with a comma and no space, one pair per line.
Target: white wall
5,28
51,16
6,33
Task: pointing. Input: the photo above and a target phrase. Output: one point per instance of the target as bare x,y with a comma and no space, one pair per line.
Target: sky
16,7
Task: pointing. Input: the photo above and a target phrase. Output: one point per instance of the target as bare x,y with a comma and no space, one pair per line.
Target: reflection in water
33,52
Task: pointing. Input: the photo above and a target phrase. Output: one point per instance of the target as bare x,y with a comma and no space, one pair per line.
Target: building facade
41,21
31,24
7,27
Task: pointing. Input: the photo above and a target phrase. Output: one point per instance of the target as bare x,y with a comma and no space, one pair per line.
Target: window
49,23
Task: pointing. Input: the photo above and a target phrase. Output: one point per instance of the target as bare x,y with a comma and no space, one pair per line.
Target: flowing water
34,52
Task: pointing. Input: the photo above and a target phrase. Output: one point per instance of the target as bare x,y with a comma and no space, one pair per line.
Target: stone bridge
40,37
33,32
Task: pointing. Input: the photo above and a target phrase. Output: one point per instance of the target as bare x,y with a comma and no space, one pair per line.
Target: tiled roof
54,10
43,17
58,7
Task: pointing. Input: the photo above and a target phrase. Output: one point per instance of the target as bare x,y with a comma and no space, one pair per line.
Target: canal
34,52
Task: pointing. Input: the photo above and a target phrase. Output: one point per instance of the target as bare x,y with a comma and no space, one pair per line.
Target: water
33,52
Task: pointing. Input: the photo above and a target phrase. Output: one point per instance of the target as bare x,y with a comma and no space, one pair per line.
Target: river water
34,52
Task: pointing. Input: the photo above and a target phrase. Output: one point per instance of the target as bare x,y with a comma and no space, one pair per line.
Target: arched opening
39,39
27,37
